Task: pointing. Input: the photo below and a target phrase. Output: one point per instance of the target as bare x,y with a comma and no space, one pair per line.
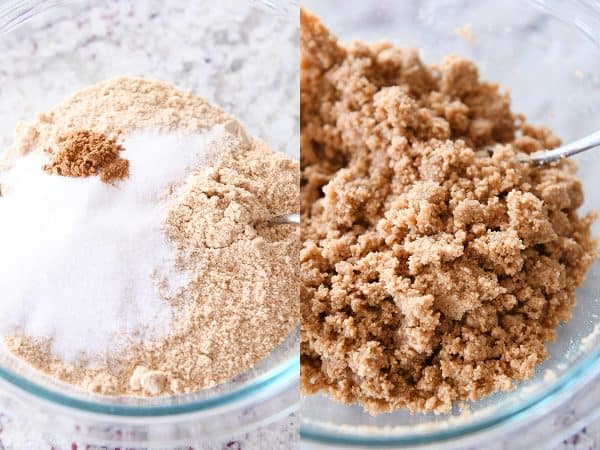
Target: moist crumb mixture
435,267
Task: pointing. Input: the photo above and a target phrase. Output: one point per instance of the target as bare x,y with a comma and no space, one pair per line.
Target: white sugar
78,256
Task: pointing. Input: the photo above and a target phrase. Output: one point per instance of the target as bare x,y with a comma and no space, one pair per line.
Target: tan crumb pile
82,153
241,300
117,107
432,272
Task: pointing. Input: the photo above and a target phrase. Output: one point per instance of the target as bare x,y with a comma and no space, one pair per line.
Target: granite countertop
283,434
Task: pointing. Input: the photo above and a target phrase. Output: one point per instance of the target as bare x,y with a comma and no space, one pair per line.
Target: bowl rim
271,379
541,403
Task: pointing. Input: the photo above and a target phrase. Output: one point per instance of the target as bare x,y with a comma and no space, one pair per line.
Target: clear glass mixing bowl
546,53
239,54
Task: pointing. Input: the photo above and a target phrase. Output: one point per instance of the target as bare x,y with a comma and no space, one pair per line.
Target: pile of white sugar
82,260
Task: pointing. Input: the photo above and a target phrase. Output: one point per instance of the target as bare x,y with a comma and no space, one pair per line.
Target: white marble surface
283,434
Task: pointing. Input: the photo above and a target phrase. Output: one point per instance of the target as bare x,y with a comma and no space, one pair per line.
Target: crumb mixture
432,271
239,300
82,153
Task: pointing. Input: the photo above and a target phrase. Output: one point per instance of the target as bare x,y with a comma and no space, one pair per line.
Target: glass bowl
49,50
546,53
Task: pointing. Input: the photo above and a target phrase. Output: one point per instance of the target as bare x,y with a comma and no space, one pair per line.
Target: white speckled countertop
282,435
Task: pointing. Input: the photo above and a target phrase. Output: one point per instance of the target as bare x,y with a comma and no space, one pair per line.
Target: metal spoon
543,157
286,219
564,151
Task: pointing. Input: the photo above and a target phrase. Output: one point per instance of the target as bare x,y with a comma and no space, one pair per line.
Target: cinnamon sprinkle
84,153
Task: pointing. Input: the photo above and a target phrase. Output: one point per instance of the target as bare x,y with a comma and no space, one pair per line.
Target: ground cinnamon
83,153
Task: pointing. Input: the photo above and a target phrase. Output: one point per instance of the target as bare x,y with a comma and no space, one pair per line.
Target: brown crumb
432,272
83,153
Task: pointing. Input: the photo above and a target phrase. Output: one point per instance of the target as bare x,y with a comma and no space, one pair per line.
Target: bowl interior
550,66
198,46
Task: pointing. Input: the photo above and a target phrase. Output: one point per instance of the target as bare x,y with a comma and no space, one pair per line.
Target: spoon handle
564,151
286,219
